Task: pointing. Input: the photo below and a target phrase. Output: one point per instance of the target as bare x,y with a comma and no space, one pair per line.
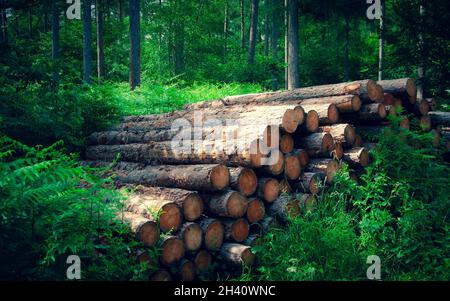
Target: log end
333,114
338,151
202,261
271,190
214,235
237,205
187,271
193,207
240,230
192,237
293,167
286,144
161,275
172,251
255,210
312,121
303,157
248,182
170,218
332,169
277,160
149,234
350,134
220,177
411,89
356,103
290,120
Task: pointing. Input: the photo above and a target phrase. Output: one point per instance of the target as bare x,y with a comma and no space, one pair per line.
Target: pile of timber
203,189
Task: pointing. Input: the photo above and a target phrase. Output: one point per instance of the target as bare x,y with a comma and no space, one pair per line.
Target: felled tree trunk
226,204
328,113
268,189
327,166
243,180
344,103
357,157
237,255
342,133
369,113
402,88
310,182
202,261
236,229
253,240
319,144
284,207
213,233
192,236
293,168
255,210
172,251
145,230
186,270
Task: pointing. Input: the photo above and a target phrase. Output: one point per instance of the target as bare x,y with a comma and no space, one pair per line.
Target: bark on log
149,202
213,233
344,103
327,166
369,113
268,189
403,87
353,88
302,156
255,211
338,151
253,240
319,144
328,113
172,251
189,202
343,133
440,118
311,124
226,204
432,103
202,261
288,206
202,177
286,143
236,229
358,141
292,166
357,157
420,108
243,180
192,236
186,270
145,230
237,255
310,182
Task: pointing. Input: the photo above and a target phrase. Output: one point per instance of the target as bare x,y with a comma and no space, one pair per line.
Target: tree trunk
30,22
381,42
274,42
243,180
357,157
226,204
302,156
266,29
172,251
253,32
344,103
342,133
87,42
346,48
293,71
421,70
286,143
213,233
369,113
100,41
255,210
403,88
236,229
225,31
135,44
145,230
328,113
237,255
242,24
4,28
202,261
327,166
186,270
268,189
292,167
310,182
55,43
319,145
192,236
284,207
286,44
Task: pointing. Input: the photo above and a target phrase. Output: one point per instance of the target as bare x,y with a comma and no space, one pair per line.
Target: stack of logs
206,207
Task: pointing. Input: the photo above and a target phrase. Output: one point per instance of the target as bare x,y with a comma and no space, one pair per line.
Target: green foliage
51,208
398,211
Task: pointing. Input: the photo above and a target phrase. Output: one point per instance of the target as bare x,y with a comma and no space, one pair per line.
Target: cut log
236,229
202,261
357,157
328,113
344,103
186,270
303,156
426,122
202,177
440,118
243,180
318,144
274,164
285,186
192,236
369,113
310,182
189,202
403,88
268,189
287,206
172,250
312,122
354,88
237,255
432,103
421,108
161,275
253,240
149,203
343,133
358,141
338,151
226,204
265,225
213,233
255,210
293,168
389,99
286,143
145,230
327,166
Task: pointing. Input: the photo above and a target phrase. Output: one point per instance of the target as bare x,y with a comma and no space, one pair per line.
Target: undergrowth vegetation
398,211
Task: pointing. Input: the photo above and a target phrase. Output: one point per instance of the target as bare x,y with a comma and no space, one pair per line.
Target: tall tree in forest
266,27
87,41
225,31
4,27
286,44
100,40
55,42
30,21
293,72
274,41
135,43
178,38
253,31
242,24
421,70
381,42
